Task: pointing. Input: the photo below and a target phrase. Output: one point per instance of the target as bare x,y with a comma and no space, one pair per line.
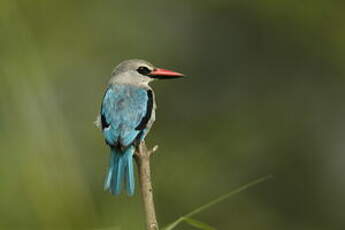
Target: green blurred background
264,95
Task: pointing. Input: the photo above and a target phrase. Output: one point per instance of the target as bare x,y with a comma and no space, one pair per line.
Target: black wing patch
149,107
104,121
105,124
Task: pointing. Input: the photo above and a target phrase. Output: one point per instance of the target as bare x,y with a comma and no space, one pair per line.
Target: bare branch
142,158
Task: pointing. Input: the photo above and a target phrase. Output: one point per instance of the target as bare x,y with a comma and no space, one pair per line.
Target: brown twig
142,158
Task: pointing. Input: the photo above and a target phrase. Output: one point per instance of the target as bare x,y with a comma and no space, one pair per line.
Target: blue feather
124,108
130,171
121,169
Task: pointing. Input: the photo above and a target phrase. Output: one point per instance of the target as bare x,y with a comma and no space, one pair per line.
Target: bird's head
136,71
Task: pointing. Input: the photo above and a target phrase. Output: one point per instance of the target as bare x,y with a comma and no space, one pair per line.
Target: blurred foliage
264,96
200,225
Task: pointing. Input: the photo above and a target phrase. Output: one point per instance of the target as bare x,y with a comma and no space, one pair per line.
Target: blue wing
124,110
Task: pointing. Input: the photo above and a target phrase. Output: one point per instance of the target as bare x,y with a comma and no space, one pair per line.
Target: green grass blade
198,224
216,201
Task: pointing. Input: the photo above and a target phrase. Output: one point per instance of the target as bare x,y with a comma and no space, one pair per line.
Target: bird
126,116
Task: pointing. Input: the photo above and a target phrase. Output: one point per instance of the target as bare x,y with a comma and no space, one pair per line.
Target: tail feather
120,169
108,179
130,181
118,177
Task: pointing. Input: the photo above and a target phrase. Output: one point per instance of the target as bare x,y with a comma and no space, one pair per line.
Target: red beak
164,74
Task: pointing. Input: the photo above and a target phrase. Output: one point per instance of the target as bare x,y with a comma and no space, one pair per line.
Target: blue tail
120,170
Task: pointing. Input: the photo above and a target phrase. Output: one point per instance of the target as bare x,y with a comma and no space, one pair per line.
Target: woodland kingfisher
126,116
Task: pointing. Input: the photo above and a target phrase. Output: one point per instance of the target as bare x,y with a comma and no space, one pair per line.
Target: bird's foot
144,152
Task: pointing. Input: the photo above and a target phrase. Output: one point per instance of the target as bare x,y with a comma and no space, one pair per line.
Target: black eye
143,70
